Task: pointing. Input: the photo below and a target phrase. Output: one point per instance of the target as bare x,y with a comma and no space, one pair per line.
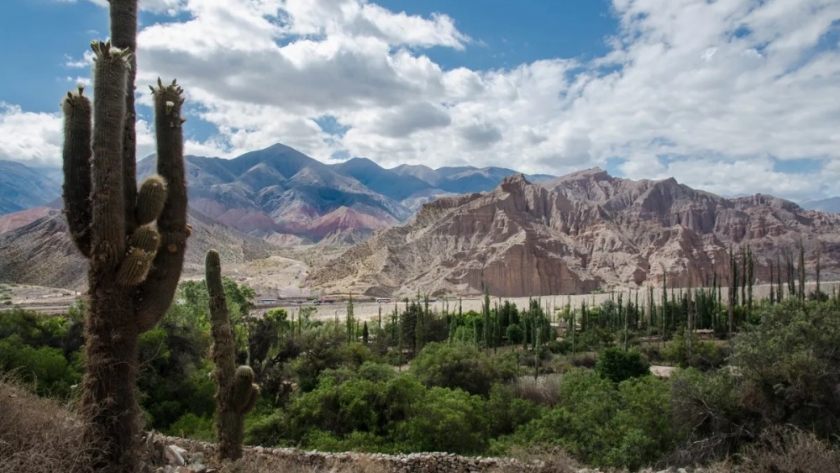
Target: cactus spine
130,282
236,393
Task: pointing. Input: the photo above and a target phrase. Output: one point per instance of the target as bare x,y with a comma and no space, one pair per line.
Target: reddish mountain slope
574,234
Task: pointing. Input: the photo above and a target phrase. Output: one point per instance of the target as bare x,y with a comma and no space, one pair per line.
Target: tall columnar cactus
134,241
236,393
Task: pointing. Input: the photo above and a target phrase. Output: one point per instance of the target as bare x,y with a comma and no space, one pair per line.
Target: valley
290,226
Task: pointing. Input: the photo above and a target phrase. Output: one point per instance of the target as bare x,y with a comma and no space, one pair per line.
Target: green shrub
193,427
514,334
45,367
601,423
446,421
461,366
617,365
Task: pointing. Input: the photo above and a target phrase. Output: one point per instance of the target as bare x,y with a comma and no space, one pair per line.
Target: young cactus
236,393
134,240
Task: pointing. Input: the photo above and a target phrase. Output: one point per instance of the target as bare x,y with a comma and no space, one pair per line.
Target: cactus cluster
135,240
236,393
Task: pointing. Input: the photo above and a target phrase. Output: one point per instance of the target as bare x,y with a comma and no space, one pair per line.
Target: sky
731,96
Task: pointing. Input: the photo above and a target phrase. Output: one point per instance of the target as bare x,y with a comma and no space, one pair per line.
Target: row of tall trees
624,318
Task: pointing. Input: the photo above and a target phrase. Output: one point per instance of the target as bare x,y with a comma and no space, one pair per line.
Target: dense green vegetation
485,382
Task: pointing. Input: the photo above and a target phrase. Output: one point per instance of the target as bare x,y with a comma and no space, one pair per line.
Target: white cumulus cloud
712,93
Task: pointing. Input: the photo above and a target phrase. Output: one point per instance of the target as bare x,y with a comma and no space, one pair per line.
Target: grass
36,434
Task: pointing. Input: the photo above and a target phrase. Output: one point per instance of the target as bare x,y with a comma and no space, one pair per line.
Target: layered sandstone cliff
574,234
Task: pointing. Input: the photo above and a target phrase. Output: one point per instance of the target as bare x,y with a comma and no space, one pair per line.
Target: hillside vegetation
504,381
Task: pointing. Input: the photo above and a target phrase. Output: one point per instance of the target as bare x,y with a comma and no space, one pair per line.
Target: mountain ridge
41,252
574,234
22,187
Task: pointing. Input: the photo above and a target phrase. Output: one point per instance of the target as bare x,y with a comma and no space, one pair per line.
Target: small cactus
236,393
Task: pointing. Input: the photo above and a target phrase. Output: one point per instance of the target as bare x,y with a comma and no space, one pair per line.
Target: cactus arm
77,154
243,382
146,238
156,292
135,267
108,207
123,16
254,395
150,200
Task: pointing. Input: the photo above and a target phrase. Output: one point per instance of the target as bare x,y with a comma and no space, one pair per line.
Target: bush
446,421
704,355
514,334
461,366
617,365
44,367
601,423
788,450
543,391
193,427
790,367
585,360
38,435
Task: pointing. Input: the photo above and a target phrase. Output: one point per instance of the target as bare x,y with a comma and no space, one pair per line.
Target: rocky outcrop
575,234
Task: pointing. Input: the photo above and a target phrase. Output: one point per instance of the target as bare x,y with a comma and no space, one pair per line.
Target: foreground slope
574,234
41,253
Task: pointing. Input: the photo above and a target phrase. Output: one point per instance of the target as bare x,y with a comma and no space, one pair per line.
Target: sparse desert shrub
789,450
543,391
704,355
552,459
584,360
38,435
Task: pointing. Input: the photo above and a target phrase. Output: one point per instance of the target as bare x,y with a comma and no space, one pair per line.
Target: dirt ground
279,277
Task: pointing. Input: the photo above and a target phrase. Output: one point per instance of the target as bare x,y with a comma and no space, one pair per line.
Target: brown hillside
575,234
41,253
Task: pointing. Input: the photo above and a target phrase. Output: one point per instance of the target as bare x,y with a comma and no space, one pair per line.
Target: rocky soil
177,455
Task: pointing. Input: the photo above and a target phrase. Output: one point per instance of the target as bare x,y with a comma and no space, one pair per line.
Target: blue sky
729,95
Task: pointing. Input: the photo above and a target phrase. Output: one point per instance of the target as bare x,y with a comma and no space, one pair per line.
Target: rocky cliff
574,234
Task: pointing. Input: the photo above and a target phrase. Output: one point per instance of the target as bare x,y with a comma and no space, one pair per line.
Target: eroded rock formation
575,234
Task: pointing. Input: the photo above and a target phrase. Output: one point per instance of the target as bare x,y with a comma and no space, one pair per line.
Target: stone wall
177,455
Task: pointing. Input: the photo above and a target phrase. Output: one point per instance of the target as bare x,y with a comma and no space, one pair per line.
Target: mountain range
832,204
280,191
22,187
577,233
284,196
452,229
